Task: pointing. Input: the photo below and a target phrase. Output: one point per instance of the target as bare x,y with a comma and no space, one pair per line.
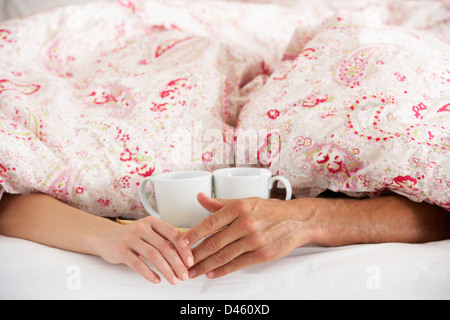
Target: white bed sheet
379,271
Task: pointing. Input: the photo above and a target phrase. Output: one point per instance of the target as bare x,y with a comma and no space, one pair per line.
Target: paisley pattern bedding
95,97
367,114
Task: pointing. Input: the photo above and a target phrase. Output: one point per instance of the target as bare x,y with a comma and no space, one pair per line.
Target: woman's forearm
383,219
43,219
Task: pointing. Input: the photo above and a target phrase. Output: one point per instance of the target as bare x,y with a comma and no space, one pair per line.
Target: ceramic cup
176,196
239,182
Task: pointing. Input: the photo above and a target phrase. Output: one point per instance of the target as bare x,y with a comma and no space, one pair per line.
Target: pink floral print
361,117
90,106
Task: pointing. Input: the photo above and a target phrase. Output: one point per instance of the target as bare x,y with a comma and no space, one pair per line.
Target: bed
81,82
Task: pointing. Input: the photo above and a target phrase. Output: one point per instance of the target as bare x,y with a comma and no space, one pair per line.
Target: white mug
240,182
176,196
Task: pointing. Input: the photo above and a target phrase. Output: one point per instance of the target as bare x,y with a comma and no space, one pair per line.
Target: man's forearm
340,222
43,219
256,230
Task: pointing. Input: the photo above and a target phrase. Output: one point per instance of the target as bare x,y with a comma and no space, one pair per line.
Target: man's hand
244,232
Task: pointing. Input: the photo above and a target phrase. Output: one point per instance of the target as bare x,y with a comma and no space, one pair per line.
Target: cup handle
143,196
286,183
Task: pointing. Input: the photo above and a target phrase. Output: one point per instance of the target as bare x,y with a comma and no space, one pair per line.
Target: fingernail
210,274
174,280
185,277
191,273
190,262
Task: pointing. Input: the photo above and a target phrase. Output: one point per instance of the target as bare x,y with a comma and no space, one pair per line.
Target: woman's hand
41,218
244,232
148,239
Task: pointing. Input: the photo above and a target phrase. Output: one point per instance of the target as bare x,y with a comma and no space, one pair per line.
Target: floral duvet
348,96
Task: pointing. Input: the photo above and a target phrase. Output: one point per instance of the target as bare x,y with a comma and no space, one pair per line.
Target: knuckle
194,235
241,206
211,223
119,254
128,240
234,265
221,202
257,240
211,244
166,250
221,257
122,249
249,224
139,228
263,255
246,206
136,264
152,255
148,219
200,269
174,233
